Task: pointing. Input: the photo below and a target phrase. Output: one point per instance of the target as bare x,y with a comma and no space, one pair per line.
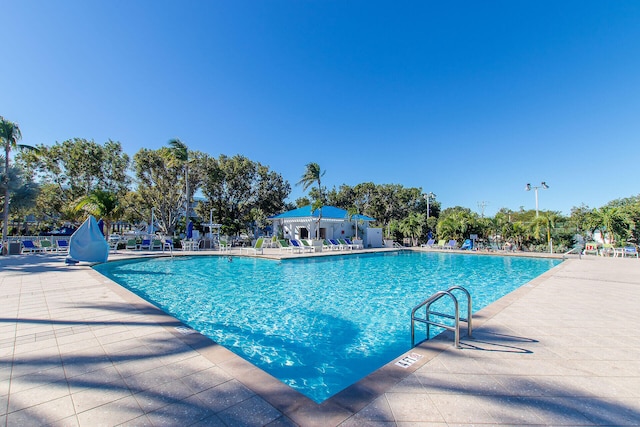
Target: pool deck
77,349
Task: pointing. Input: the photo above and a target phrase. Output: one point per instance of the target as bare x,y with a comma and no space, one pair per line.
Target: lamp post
542,185
152,228
428,197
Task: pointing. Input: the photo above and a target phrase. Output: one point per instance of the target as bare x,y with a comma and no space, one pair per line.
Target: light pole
542,185
428,197
152,228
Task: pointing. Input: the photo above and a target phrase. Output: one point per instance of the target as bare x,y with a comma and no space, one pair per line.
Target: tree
102,204
312,175
10,134
73,169
237,186
412,226
158,186
610,220
180,157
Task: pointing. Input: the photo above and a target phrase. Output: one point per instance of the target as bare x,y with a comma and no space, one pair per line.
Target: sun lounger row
43,246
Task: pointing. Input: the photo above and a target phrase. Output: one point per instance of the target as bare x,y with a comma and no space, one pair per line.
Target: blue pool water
317,324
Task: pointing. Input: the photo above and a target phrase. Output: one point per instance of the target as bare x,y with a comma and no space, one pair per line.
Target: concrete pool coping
103,355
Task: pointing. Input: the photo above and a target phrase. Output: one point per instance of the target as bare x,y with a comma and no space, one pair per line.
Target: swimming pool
317,324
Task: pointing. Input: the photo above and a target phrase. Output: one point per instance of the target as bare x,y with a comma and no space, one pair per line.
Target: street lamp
542,185
428,197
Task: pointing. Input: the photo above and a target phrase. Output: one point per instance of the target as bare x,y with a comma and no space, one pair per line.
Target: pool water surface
318,324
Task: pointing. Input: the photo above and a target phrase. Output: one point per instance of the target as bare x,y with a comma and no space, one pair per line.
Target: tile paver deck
77,349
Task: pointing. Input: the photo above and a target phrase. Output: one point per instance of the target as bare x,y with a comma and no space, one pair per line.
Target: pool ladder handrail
456,316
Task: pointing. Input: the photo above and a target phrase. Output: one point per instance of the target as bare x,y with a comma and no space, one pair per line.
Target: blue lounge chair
630,251
62,245
429,243
337,245
467,245
452,244
29,246
297,244
353,245
146,244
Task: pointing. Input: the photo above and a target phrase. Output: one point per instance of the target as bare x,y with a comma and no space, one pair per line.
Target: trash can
15,248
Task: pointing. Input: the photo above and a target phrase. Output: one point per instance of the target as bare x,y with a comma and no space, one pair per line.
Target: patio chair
47,246
156,244
590,248
132,244
146,244
346,245
62,245
441,244
607,250
297,244
337,245
285,246
306,244
451,244
256,248
29,246
224,246
354,245
630,251
429,243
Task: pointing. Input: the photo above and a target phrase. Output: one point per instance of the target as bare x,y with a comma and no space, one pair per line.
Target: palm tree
412,226
313,175
102,204
10,134
610,220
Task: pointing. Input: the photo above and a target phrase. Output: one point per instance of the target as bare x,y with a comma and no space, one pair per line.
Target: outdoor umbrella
190,230
101,226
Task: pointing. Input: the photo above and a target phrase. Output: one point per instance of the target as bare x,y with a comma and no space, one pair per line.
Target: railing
455,316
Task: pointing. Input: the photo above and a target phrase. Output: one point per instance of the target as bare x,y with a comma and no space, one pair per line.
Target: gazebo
334,223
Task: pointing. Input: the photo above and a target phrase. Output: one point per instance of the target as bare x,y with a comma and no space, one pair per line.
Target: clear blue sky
470,100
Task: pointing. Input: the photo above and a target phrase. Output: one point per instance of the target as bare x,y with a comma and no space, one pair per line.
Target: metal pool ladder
455,316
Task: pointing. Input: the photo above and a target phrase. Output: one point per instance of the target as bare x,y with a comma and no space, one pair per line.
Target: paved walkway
76,349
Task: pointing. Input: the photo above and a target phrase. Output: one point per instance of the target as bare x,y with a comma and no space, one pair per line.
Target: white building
327,222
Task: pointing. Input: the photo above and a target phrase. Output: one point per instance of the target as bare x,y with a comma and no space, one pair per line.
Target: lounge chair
429,243
131,244
299,246
337,245
590,248
630,251
62,245
146,244
156,244
285,246
257,247
441,244
47,246
607,250
224,246
29,246
467,245
306,244
167,244
451,244
326,245
354,245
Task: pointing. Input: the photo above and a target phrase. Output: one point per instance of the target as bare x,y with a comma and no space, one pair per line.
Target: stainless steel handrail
456,316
